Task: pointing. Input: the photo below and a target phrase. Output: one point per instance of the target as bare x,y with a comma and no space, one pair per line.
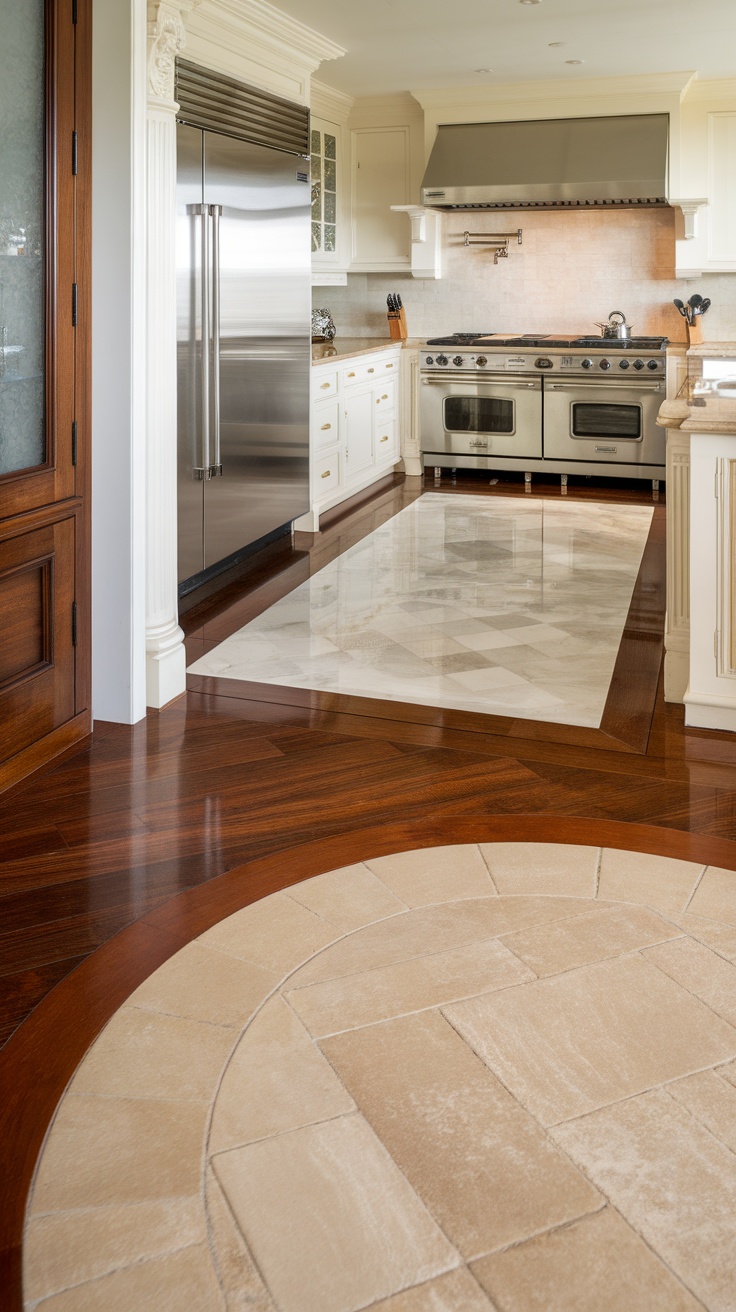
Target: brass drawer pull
323,386
382,398
389,366
351,374
325,427
371,371
326,473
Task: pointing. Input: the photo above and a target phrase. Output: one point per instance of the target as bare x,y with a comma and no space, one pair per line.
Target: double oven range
567,405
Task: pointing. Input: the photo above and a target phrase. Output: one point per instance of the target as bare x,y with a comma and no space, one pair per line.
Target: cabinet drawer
324,384
385,396
326,475
325,424
386,439
363,371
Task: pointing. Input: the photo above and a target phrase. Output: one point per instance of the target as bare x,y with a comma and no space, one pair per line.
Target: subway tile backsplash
571,270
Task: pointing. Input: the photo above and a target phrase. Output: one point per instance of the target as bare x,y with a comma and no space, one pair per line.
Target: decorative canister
323,329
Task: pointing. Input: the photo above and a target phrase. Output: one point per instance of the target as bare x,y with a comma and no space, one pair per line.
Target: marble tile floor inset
562,1141
459,602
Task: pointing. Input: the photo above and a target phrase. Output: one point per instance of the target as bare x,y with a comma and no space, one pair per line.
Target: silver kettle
617,327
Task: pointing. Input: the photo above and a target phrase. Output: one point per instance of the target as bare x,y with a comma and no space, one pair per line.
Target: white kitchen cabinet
354,429
708,173
380,178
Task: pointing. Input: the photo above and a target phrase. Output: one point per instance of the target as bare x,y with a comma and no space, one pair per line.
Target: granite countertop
344,348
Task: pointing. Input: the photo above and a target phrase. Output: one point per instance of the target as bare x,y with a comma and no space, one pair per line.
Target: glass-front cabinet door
326,166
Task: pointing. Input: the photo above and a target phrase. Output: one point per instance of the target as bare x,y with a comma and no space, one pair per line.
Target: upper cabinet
707,238
326,151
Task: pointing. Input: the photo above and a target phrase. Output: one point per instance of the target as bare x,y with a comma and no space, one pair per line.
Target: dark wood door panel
36,646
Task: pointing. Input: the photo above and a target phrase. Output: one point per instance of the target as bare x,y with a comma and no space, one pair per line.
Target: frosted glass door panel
22,238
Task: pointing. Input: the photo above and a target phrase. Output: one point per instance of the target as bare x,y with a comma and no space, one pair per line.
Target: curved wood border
40,1059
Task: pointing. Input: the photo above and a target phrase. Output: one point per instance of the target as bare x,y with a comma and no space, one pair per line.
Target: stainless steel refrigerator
243,321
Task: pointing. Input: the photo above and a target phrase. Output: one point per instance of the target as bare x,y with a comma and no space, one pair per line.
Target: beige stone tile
671,1180
183,1279
715,896
432,929
458,1291
656,881
207,986
562,868
435,874
711,1100
728,1072
374,995
240,1282
483,1166
598,1264
330,1220
604,932
145,1054
348,898
569,1043
721,938
700,970
113,1150
70,1248
276,933
277,1080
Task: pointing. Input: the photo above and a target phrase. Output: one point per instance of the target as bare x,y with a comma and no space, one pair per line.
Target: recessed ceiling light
555,43
530,2
574,61
484,70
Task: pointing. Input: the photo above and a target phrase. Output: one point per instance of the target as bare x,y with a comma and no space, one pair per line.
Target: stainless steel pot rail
498,241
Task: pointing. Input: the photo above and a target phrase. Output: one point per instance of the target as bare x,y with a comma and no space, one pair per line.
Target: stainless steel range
563,404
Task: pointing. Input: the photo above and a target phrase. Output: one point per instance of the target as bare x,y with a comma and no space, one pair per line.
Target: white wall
118,361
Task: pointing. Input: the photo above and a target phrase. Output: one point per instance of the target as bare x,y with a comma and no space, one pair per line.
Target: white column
165,657
677,621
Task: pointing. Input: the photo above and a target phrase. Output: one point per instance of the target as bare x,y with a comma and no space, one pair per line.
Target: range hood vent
562,163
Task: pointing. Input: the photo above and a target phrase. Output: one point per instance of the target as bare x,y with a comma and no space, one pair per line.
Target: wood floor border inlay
41,1057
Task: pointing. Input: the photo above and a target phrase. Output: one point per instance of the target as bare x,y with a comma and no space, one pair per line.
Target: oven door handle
624,385
447,380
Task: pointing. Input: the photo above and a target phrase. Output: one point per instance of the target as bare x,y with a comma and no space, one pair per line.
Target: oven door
465,414
596,420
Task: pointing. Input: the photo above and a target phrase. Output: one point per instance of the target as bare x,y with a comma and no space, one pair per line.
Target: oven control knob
638,364
623,364
605,364
586,364
652,364
481,359
458,360
442,359
543,363
429,360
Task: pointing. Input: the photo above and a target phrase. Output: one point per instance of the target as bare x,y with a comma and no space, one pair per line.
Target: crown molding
580,89
327,102
711,89
255,41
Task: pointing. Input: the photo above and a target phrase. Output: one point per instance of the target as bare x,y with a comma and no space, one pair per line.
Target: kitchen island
700,631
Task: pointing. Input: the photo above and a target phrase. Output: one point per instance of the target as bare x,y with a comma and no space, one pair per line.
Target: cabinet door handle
325,427
385,439
351,374
326,473
323,386
371,371
389,366
382,398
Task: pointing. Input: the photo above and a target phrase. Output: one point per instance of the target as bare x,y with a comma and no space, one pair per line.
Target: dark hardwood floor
233,780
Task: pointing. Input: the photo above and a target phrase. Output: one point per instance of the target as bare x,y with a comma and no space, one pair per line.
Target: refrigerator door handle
202,470
215,454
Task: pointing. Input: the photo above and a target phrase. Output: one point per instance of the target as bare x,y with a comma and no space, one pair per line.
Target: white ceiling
402,45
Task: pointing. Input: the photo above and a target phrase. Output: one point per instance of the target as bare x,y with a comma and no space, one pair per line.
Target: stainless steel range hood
549,164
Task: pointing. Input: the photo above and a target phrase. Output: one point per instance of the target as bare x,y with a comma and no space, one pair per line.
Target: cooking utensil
681,307
695,301
705,305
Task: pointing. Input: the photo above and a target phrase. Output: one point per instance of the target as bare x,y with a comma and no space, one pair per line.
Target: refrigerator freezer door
189,230
261,248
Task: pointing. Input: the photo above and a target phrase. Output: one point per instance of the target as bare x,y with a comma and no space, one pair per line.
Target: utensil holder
397,325
694,334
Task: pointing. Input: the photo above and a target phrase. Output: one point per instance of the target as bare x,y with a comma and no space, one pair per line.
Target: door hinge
74,624
74,442
75,297
75,154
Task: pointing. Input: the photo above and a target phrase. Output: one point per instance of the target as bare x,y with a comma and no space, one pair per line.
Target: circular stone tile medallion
457,1078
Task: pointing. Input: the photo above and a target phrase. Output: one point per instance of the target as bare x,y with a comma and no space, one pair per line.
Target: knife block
397,325
694,334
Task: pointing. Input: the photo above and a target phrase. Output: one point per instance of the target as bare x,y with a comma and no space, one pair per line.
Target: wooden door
45,67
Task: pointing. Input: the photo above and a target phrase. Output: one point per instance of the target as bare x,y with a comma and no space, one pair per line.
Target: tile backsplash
571,271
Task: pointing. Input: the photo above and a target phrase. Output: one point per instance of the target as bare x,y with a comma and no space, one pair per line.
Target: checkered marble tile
496,606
